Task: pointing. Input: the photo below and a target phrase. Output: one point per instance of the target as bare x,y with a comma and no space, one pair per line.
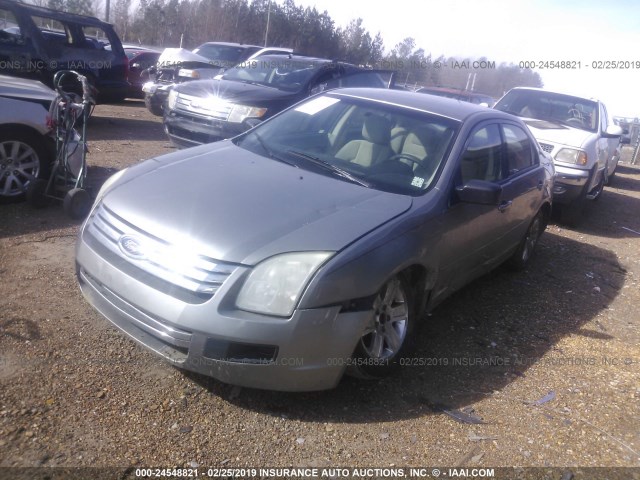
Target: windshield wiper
330,167
270,153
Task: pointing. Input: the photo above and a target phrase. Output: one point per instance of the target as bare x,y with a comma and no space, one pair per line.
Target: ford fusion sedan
577,133
316,242
210,110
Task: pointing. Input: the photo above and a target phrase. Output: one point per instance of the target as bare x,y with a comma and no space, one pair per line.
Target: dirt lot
76,392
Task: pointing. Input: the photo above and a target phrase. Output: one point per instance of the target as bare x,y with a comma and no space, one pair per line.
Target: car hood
176,56
239,92
554,132
24,89
233,205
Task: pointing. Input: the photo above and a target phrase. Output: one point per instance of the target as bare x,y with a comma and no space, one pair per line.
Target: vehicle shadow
598,220
478,341
21,219
18,218
624,181
129,102
124,129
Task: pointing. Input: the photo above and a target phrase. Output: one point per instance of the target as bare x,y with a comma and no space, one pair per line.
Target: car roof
54,14
446,107
140,48
230,44
559,92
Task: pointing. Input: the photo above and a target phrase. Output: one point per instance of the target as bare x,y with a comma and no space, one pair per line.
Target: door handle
540,185
504,205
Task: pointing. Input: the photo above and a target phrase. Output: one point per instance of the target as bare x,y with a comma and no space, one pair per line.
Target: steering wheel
406,156
575,121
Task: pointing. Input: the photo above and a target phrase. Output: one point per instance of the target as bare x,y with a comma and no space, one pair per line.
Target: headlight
275,285
571,155
172,99
239,113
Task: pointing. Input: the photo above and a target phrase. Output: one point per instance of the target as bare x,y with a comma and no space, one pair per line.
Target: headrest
376,129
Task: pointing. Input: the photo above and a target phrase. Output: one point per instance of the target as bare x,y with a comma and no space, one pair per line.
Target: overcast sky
584,31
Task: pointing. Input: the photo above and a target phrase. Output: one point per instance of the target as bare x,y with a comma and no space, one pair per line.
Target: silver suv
576,132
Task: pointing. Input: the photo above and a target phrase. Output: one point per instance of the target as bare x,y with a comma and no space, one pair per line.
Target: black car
37,42
459,94
210,110
177,65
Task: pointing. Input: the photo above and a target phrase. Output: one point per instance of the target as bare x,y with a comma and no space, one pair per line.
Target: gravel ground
547,358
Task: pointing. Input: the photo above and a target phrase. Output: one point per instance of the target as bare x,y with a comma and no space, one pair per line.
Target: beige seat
425,144
374,146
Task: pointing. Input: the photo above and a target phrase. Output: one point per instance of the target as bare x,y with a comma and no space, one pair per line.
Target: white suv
576,132
26,149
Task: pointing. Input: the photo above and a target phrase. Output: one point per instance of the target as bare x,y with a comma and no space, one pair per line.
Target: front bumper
569,184
156,93
187,129
306,352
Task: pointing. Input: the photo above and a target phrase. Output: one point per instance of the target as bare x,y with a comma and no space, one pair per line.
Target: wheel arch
418,277
48,143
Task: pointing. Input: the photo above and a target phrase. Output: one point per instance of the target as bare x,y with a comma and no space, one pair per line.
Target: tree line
170,23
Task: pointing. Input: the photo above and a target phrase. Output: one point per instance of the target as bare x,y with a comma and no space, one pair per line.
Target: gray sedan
313,244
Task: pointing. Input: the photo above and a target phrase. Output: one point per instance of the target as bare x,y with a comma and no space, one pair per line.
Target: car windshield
369,143
282,73
554,107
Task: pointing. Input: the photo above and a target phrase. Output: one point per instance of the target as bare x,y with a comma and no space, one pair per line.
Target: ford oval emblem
131,247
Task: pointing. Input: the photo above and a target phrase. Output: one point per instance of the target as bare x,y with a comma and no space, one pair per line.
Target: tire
523,254
387,336
23,158
596,193
77,203
612,174
153,107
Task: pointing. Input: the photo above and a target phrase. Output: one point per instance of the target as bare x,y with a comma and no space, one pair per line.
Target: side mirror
613,131
480,192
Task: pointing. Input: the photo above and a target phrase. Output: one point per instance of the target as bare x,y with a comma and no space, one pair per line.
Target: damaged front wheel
387,334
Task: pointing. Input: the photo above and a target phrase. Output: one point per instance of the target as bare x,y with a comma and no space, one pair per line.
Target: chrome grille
218,110
546,147
179,267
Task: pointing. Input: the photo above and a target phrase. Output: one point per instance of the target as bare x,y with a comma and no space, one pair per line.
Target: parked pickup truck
576,132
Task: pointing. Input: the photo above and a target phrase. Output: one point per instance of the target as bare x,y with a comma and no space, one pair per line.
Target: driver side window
482,159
